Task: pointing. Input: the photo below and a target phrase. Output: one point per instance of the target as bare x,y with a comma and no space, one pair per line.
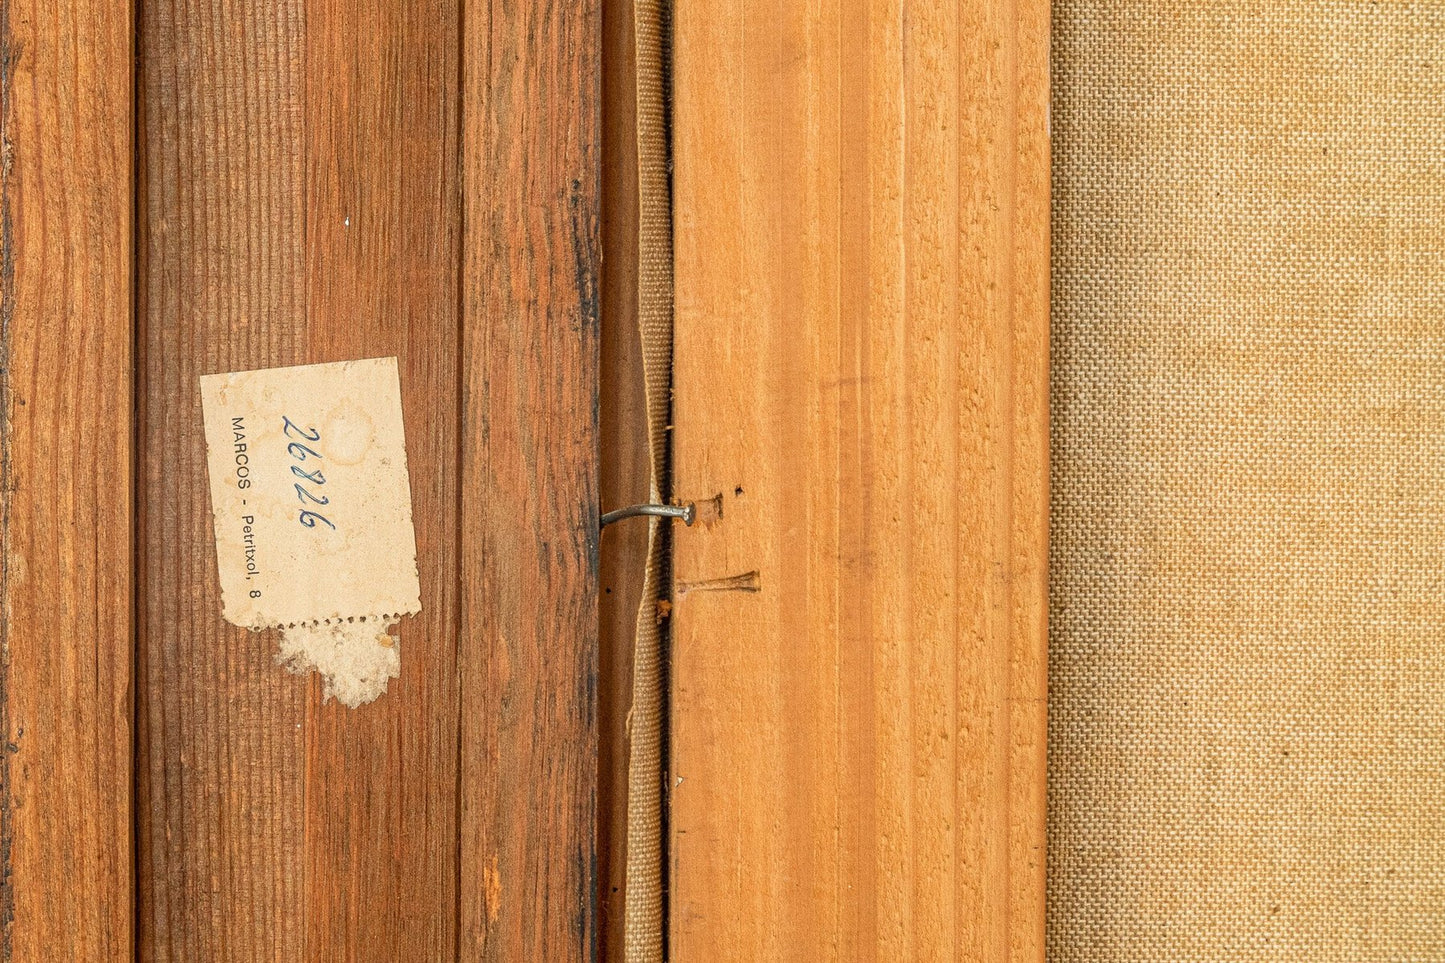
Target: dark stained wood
383,247
302,193
65,481
623,462
529,481
301,205
222,288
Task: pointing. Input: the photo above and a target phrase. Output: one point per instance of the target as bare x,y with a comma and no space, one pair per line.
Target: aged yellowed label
312,507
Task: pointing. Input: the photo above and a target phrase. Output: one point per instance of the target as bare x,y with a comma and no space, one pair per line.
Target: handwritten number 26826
302,452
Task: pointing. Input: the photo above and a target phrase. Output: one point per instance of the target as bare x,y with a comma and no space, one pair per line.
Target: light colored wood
220,748
65,481
529,514
861,379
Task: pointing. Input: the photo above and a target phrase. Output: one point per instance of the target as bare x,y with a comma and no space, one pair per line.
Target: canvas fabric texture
1247,735
644,910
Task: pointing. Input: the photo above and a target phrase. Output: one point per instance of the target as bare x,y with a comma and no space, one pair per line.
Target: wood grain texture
624,466
861,376
302,205
382,260
220,745
529,505
65,491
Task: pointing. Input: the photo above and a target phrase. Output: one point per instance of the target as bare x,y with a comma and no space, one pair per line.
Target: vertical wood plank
529,470
861,203
219,747
65,481
382,255
624,462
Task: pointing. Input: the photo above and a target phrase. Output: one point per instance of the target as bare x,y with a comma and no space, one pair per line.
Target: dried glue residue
355,659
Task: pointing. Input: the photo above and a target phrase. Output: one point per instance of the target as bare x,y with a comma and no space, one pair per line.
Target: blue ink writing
302,453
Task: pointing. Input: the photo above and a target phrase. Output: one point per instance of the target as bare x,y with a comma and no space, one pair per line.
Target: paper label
312,507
